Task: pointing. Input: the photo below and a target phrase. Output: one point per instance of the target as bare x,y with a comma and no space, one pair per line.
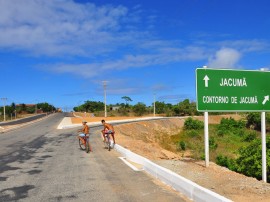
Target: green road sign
232,90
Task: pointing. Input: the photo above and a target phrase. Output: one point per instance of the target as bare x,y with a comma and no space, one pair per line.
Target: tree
160,107
139,109
254,120
13,106
93,106
46,107
127,99
23,107
90,106
8,110
187,108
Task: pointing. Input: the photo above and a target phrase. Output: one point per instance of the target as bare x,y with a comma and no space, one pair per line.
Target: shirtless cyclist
85,129
108,129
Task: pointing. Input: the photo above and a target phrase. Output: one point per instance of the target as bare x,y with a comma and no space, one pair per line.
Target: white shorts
82,135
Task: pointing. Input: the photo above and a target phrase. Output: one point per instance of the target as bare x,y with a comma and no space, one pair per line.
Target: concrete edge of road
188,188
129,164
66,122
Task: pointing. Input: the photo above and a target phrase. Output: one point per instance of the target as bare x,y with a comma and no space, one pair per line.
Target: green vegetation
127,99
183,108
45,107
191,124
232,143
17,110
90,106
139,109
182,145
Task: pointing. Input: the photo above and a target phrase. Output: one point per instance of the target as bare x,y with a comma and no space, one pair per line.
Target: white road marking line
129,164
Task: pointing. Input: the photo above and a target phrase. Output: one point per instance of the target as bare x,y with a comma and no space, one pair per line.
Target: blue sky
60,51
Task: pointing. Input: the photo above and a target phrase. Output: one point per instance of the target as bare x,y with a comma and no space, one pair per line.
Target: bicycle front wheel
108,144
87,146
82,144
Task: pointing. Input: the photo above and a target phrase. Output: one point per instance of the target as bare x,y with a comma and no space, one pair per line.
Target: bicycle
108,142
84,142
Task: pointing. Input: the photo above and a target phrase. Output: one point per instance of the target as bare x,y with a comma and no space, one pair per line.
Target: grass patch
225,138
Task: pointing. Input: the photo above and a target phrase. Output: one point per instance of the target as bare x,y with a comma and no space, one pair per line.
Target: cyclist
108,129
85,130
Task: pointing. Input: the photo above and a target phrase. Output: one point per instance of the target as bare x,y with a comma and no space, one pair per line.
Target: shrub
254,120
192,133
202,157
182,145
249,161
229,123
212,143
193,124
222,161
241,133
221,133
139,109
226,162
250,136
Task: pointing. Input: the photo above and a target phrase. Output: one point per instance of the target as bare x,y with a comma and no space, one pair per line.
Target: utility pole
36,107
154,104
104,87
4,101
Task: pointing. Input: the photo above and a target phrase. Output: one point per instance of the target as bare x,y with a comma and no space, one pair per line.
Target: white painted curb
65,123
188,188
129,164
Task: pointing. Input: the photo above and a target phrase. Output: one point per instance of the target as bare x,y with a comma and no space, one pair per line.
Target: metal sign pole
263,130
206,139
206,136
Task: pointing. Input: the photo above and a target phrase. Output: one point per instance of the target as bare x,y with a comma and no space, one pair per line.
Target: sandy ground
141,137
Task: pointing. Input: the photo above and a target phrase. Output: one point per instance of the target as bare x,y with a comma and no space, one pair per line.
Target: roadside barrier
188,188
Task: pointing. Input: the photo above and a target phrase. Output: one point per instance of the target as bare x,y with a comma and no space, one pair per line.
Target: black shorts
109,132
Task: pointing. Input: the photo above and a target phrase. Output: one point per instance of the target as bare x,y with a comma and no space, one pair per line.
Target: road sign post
206,139
263,130
222,90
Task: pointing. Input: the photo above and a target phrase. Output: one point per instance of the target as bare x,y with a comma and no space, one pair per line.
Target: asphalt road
40,163
23,120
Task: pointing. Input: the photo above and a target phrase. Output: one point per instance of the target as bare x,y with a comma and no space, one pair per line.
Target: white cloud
173,98
246,45
161,57
58,26
265,69
225,58
107,36
64,27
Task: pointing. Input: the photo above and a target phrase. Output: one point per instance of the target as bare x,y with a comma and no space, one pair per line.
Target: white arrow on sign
266,98
206,79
